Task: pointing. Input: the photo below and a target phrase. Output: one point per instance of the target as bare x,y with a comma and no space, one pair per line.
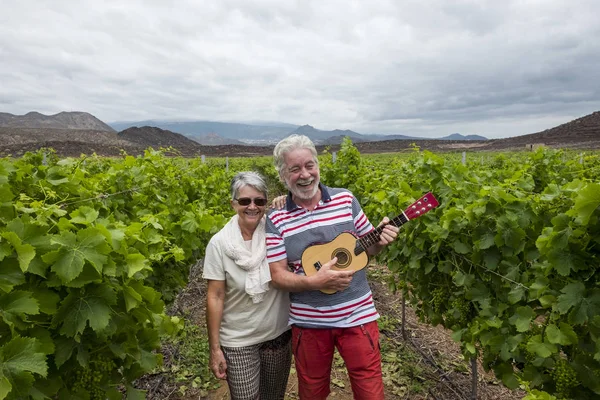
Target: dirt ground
442,373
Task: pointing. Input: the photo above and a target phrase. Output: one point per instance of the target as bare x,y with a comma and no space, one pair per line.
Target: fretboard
373,237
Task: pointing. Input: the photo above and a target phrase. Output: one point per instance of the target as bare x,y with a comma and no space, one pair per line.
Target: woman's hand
217,364
278,202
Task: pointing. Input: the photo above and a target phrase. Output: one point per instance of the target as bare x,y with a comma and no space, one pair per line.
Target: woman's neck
247,231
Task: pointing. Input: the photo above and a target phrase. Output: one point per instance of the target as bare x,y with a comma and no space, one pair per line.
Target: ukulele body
343,247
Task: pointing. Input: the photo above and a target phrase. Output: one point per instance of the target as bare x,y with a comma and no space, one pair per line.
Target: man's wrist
311,282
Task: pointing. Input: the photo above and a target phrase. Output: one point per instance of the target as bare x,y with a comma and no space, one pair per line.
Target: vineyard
93,250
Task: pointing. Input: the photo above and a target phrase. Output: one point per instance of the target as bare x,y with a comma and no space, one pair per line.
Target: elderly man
321,322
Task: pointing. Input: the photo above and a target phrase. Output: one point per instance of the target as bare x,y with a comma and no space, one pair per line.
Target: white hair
248,178
288,144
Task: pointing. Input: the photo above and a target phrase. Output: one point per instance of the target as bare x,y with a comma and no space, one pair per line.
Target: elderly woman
249,336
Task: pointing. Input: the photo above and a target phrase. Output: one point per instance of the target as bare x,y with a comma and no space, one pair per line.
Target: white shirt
244,323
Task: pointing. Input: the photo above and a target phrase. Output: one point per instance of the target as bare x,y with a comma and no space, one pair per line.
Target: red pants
359,347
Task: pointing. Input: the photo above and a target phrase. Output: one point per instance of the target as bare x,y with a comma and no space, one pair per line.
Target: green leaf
84,215
547,301
79,308
47,300
460,247
19,302
132,298
25,252
189,223
506,372
21,355
485,241
10,275
136,263
588,308
522,318
44,338
572,296
492,258
516,294
461,279
64,350
88,245
540,348
587,201
562,261
5,386
5,251
135,394
565,335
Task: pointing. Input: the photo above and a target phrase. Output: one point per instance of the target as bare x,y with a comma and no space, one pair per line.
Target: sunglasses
245,201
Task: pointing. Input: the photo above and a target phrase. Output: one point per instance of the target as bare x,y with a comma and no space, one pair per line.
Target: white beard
303,194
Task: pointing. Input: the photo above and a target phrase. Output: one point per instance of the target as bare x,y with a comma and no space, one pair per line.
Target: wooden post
464,158
404,314
474,378
203,158
227,163
334,156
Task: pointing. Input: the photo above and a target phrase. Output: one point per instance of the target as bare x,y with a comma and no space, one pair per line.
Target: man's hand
278,202
389,233
330,279
217,364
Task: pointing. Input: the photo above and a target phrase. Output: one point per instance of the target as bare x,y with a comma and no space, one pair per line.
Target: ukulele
351,251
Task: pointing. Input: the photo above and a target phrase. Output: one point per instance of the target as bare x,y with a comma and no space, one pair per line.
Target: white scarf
254,261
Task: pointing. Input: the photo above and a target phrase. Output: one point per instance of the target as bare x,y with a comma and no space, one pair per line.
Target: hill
458,136
584,130
62,120
149,136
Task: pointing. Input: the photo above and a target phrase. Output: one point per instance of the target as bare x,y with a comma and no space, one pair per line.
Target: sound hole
343,258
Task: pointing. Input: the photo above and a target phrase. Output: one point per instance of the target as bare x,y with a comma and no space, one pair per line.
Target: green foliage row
508,261
90,250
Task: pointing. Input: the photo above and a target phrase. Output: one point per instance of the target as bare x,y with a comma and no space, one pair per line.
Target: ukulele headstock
422,206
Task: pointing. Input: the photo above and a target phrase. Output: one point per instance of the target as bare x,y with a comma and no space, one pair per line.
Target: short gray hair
248,178
288,144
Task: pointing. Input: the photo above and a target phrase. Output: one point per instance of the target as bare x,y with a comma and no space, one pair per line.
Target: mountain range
73,134
222,133
210,133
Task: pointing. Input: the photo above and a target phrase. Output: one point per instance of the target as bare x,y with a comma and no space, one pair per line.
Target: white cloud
411,67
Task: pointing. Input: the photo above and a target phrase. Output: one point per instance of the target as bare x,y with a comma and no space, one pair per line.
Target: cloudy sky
426,68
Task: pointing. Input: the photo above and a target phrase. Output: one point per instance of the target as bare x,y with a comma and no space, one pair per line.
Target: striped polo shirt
293,229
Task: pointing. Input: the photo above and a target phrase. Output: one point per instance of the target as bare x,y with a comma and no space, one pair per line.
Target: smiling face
250,215
301,174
